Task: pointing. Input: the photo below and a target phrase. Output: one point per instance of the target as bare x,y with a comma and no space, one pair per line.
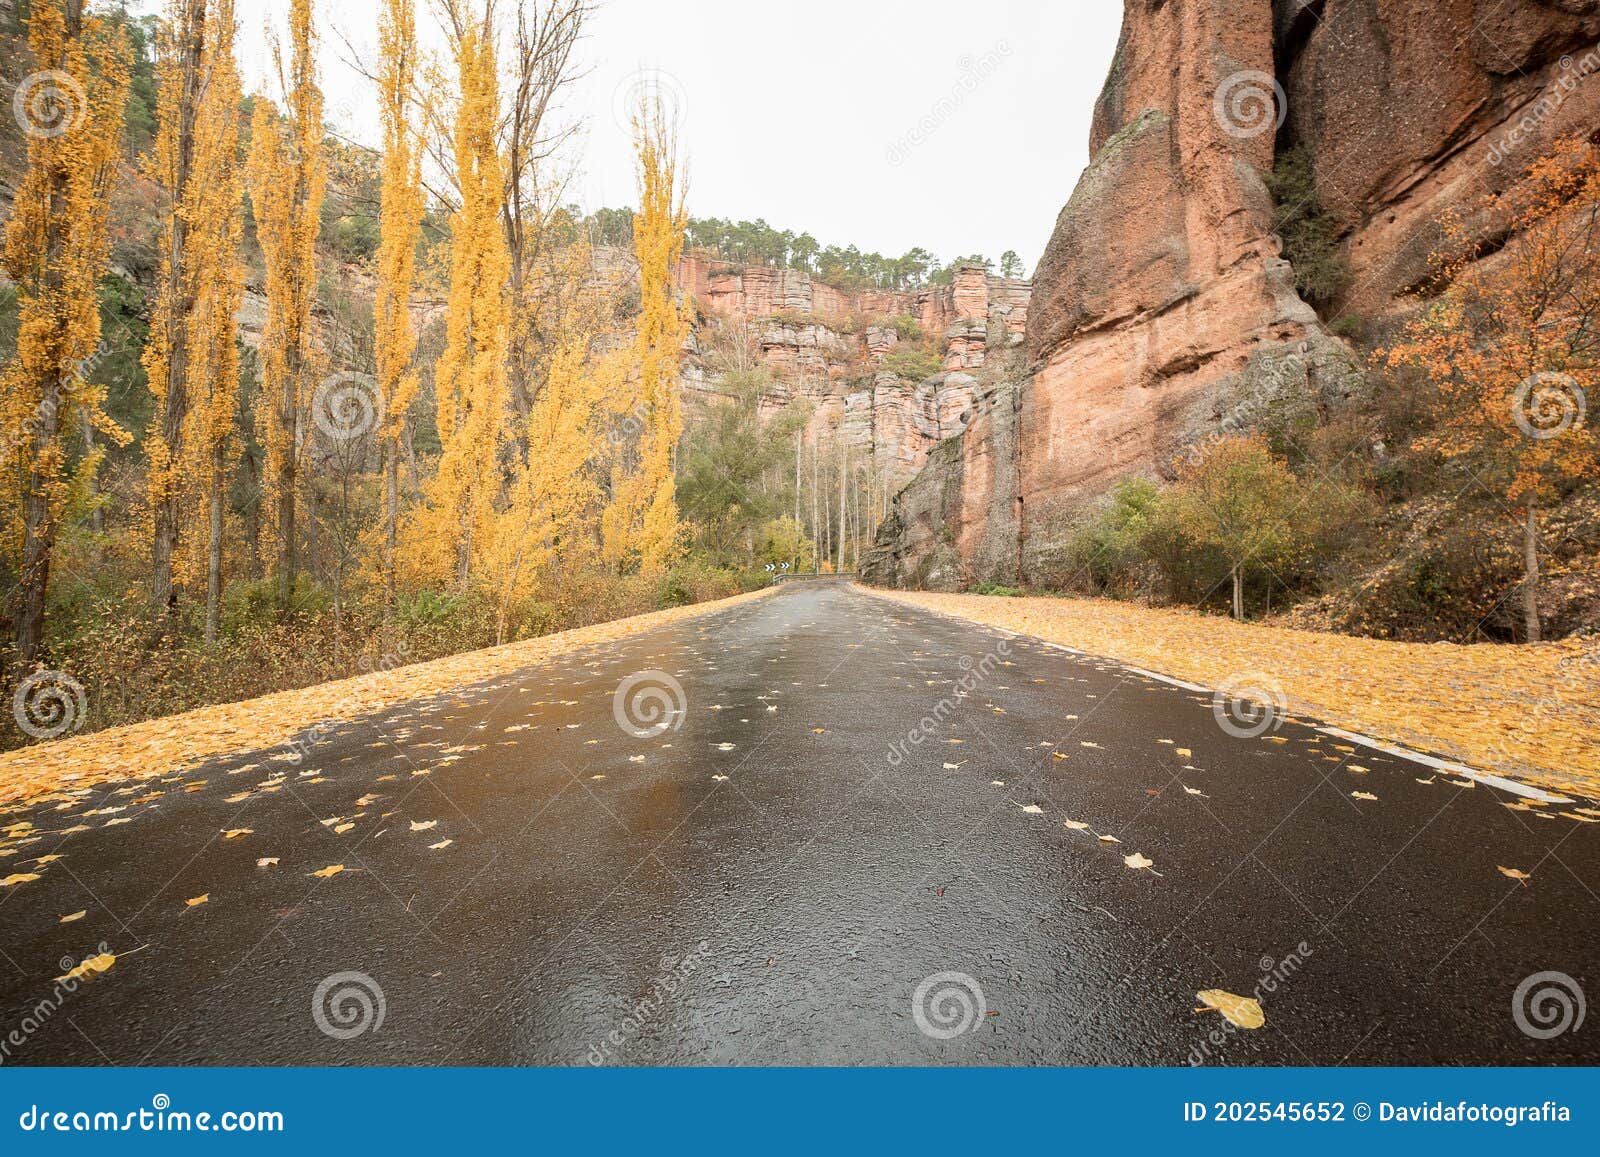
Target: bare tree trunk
391,520
844,464
1238,592
219,477
97,514
38,536
1530,581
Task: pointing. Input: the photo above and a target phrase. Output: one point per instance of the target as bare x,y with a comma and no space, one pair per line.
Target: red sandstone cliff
1162,309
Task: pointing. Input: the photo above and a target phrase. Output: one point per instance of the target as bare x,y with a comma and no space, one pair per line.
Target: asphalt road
849,847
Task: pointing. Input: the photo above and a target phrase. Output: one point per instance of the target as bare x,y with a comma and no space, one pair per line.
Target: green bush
1310,235
914,365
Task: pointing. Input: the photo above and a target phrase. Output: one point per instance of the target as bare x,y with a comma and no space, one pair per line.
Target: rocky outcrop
1163,311
825,349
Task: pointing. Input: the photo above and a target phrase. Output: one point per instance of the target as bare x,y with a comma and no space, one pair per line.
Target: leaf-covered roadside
1530,712
163,746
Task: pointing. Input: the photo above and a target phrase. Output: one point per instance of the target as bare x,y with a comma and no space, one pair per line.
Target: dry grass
1528,712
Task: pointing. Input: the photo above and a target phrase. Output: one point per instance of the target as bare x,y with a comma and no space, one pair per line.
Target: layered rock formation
1163,311
827,348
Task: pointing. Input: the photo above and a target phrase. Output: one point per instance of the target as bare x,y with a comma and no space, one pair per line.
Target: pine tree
287,176
56,247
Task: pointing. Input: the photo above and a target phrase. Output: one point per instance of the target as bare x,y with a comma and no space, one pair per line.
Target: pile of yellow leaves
1528,712
162,746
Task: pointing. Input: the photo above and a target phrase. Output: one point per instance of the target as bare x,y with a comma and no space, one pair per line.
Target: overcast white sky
949,124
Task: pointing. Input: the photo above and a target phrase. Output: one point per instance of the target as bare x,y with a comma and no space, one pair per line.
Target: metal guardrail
812,577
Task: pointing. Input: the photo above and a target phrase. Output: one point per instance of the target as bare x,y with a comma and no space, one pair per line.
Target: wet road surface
850,845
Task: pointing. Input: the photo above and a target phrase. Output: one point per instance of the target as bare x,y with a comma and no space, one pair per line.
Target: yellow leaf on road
440,845
1363,795
1516,874
423,825
1075,825
18,878
198,900
79,915
1138,860
330,871
1239,1010
235,833
92,966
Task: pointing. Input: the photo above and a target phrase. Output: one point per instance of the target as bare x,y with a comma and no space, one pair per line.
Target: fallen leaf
423,825
16,878
235,833
340,829
79,915
1075,825
1357,768
1033,809
1109,840
1238,1010
1139,861
198,900
330,871
1367,795
92,966
1184,752
1516,874
267,862
440,845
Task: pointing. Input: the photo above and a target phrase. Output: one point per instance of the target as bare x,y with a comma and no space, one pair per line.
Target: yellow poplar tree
218,227
470,379
179,47
287,175
191,361
553,489
400,228
56,247
640,526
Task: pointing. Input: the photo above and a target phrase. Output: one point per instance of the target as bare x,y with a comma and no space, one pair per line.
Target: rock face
1163,312
827,348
